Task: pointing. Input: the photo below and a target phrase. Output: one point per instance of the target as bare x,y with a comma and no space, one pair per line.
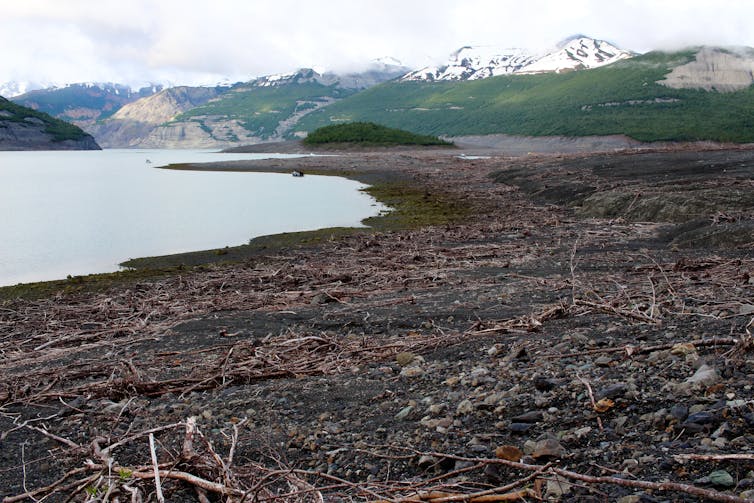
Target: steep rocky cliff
135,122
22,128
715,69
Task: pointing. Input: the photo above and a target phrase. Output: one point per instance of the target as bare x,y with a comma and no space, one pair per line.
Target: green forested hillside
260,109
623,98
368,133
59,130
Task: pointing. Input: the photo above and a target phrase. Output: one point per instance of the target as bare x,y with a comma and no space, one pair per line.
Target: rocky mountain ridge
84,104
223,117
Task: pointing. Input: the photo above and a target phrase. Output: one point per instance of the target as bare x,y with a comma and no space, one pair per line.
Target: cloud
190,42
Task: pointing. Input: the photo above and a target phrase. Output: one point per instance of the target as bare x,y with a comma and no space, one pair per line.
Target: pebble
679,412
465,407
548,448
412,372
519,427
509,452
404,358
427,462
721,478
705,375
701,418
603,361
404,413
543,384
613,391
529,417
557,487
683,349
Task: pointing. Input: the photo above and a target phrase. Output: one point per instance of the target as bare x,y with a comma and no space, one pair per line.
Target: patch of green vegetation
260,109
622,98
369,133
60,130
82,284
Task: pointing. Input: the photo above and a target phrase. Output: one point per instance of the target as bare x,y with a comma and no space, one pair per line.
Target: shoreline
409,208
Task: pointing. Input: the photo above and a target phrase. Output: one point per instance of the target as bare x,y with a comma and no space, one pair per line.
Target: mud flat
582,333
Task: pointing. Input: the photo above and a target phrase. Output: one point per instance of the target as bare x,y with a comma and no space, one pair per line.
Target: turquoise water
72,213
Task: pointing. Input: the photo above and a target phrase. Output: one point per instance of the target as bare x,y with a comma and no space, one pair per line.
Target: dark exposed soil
378,365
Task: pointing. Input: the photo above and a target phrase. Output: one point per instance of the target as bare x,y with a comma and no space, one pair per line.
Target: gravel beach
584,333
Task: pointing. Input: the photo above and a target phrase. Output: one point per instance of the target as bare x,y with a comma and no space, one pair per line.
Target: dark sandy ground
583,335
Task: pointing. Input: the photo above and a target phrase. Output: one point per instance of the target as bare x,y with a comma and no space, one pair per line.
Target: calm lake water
77,213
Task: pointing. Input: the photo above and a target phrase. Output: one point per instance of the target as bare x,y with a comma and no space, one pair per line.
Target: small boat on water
149,162
298,174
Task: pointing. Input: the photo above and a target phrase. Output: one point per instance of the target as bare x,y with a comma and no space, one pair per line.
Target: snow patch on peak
478,62
475,62
578,53
386,61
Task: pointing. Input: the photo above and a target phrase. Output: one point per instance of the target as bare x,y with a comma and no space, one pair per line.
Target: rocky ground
584,335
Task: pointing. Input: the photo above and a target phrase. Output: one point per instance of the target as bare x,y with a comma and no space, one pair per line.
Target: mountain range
583,86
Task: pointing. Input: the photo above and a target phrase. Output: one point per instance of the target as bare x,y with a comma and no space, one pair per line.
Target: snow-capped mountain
578,53
378,71
471,63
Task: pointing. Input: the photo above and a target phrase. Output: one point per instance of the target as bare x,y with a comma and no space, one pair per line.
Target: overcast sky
189,41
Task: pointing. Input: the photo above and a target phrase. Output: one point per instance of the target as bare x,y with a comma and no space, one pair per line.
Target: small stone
721,478
630,465
207,414
747,495
495,350
680,412
412,372
465,407
320,299
404,358
582,432
603,361
436,408
519,427
543,384
548,448
634,498
705,376
683,349
404,413
509,452
613,391
427,462
534,416
557,487
701,418
746,309
529,447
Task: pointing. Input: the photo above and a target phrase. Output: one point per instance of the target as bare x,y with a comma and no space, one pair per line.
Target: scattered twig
156,468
